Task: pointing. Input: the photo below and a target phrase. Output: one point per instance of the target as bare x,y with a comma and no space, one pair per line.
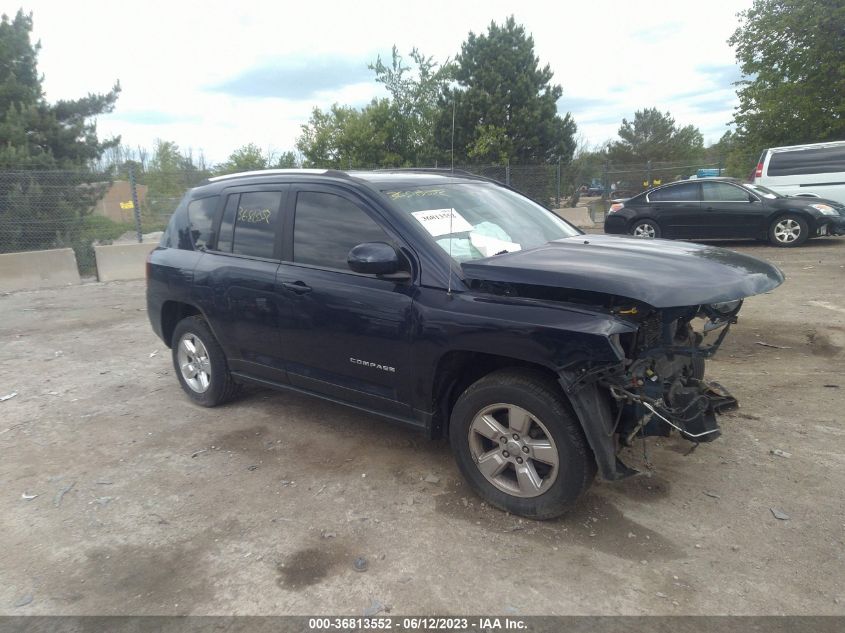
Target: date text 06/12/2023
418,623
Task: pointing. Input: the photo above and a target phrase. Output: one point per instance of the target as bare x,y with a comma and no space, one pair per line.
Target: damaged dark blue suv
456,306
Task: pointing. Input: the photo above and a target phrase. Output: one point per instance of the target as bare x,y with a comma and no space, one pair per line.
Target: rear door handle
299,287
710,209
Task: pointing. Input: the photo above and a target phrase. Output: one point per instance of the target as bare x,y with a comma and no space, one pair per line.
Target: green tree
389,132
732,155
586,165
287,160
792,58
168,173
344,137
248,157
505,103
415,92
35,134
37,209
323,139
653,136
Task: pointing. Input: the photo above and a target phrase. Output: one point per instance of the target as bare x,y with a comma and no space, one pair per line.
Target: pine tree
505,103
38,209
35,134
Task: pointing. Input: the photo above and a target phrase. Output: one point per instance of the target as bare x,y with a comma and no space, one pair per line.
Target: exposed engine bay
659,384
662,386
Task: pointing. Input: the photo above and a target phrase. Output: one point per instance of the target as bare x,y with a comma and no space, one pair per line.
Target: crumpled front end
659,385
663,386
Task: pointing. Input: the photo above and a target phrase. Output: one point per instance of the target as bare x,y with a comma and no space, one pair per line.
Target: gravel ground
118,496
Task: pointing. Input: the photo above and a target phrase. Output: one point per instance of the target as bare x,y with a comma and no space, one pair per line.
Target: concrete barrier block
38,269
122,261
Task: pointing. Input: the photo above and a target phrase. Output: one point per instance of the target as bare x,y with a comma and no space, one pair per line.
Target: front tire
788,230
518,444
646,229
200,364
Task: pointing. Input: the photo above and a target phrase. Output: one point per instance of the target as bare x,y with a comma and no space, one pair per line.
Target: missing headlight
723,311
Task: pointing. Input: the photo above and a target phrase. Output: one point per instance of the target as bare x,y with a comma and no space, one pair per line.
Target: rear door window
684,192
227,223
820,160
255,218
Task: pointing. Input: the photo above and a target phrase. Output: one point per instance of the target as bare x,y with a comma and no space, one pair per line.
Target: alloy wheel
787,231
514,450
644,230
194,362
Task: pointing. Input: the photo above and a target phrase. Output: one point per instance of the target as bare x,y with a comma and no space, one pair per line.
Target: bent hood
662,273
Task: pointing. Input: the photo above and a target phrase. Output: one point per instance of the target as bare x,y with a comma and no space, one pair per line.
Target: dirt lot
148,504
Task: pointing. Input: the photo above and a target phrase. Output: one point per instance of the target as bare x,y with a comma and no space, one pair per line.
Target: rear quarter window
201,218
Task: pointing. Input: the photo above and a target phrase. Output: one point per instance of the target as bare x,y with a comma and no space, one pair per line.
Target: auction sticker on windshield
442,221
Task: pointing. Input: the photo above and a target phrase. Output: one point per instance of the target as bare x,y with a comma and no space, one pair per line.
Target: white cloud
621,56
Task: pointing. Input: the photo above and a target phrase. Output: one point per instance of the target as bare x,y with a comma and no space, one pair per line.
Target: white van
816,170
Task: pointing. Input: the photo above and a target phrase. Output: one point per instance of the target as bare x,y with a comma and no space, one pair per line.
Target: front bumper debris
692,411
831,225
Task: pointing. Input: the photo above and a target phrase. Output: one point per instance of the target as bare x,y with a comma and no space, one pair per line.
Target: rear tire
787,231
200,364
519,445
647,229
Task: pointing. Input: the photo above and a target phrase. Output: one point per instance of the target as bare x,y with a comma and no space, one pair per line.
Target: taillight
617,206
759,171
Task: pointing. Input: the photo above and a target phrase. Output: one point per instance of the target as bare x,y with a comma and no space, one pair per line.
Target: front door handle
710,209
299,287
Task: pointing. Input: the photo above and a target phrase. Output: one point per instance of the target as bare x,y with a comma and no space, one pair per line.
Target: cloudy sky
216,75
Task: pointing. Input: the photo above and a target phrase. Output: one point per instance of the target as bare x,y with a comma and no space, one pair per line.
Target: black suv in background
456,306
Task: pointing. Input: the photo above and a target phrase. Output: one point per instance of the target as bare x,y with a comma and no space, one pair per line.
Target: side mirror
751,198
373,258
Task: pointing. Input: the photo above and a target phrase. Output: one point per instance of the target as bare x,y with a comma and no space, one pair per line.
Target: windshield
760,190
475,220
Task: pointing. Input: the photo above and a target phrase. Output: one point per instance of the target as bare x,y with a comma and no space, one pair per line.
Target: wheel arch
591,406
802,213
643,218
456,370
171,313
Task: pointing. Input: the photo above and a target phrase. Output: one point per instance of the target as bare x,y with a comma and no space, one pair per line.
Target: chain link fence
42,210
50,209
